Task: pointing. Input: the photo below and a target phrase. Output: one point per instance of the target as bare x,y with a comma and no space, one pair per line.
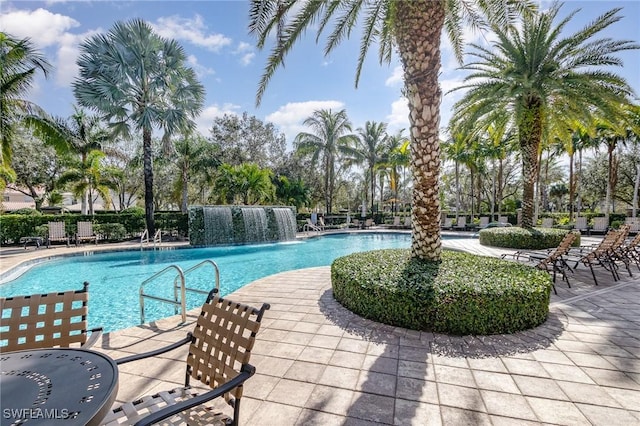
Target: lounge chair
85,233
461,224
484,221
604,253
396,222
57,233
581,224
320,224
356,223
407,222
503,219
547,222
47,321
600,225
448,223
634,224
219,353
369,223
553,261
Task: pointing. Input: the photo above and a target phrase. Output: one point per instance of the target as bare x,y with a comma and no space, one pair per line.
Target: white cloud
399,116
191,30
200,69
396,77
289,117
246,59
205,119
41,26
244,47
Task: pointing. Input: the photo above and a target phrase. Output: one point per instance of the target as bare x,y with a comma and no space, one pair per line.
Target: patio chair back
547,222
45,320
407,222
396,221
223,339
484,221
600,224
634,224
581,224
503,219
85,232
562,249
448,223
57,233
462,222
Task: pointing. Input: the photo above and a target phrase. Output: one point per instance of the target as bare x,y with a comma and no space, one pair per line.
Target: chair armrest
149,354
246,372
93,338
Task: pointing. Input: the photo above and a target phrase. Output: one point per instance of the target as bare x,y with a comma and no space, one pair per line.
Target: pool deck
319,364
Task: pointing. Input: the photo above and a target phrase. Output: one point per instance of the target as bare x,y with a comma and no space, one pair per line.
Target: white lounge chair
600,224
461,224
407,222
448,223
57,233
503,219
581,224
547,222
484,221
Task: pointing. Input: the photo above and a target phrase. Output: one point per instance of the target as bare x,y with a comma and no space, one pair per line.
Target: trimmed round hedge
463,294
521,238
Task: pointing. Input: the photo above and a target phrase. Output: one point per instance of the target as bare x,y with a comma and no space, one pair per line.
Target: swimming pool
115,277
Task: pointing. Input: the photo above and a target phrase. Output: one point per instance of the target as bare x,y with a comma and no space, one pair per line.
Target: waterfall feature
219,225
255,224
286,221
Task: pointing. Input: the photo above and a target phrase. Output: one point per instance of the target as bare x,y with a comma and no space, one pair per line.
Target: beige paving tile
317,355
305,371
460,397
589,394
507,404
629,399
345,378
454,375
318,418
330,399
270,413
487,364
525,367
374,408
590,360
417,390
377,383
461,417
380,364
416,370
347,359
416,413
291,392
495,382
323,341
353,345
536,386
606,416
558,412
612,378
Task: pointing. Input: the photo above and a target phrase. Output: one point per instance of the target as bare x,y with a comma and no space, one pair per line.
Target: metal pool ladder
179,288
145,239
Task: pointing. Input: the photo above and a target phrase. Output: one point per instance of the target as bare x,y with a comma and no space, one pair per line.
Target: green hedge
463,294
521,238
13,226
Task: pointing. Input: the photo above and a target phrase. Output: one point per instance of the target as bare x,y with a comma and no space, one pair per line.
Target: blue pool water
115,277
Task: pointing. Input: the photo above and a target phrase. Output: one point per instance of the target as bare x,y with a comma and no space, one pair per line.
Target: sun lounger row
58,233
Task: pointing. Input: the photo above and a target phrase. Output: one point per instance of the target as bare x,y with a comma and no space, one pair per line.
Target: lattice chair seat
46,321
219,353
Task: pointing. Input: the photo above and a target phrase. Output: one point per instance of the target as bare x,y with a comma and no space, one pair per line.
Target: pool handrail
193,268
157,238
181,303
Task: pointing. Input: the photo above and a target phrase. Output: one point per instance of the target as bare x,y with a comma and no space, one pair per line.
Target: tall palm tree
139,81
397,156
329,137
19,64
543,77
413,29
367,149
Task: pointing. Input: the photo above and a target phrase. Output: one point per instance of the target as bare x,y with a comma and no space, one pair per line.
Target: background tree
329,137
543,77
245,184
19,64
138,81
247,139
367,150
194,155
413,28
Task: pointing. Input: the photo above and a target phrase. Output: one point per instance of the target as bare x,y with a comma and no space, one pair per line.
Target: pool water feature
115,277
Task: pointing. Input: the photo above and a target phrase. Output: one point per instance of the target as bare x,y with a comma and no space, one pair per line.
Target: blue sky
215,37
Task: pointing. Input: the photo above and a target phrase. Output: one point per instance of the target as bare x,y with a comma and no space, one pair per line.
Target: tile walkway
319,364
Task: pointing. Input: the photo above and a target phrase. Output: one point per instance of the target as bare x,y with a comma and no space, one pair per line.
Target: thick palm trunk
418,28
147,163
530,134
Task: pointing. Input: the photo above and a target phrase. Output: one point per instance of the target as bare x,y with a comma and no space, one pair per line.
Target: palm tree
542,78
194,155
247,183
330,136
397,156
88,176
368,149
19,64
138,81
413,28
79,135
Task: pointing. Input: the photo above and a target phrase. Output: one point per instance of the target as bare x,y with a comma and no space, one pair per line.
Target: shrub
27,212
110,231
463,294
521,238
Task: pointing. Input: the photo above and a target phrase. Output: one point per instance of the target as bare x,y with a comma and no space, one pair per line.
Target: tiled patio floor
319,364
